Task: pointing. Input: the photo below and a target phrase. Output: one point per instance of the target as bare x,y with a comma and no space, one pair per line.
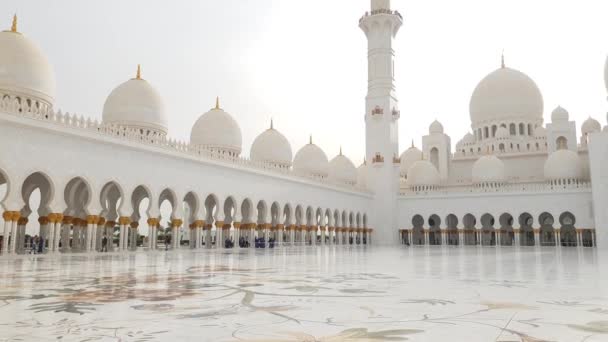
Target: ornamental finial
138,75
310,140
502,59
340,149
412,143
14,26
271,123
217,102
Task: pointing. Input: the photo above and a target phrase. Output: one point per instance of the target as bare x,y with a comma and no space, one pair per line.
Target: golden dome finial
138,75
310,140
340,149
502,59
14,26
271,123
217,102
412,143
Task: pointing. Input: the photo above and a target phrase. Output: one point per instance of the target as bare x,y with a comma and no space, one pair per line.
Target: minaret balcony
378,160
396,114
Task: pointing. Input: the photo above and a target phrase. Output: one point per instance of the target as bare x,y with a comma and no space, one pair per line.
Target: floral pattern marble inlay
336,293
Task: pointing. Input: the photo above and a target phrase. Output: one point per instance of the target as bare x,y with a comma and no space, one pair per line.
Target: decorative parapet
380,12
529,187
74,122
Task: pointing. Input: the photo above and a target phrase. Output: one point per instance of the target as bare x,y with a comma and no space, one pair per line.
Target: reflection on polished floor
338,293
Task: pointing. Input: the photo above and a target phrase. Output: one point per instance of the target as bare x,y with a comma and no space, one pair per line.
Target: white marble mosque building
514,180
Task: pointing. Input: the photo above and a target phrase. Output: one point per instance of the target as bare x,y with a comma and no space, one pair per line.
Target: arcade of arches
227,223
502,232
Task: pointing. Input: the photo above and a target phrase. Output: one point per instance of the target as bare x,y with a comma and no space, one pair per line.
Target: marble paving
337,293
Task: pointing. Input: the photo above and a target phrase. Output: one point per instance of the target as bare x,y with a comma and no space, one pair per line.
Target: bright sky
304,62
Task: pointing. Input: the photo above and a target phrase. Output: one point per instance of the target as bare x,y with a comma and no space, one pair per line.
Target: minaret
382,117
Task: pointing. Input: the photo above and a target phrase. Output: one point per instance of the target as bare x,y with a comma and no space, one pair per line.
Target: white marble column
8,221
14,238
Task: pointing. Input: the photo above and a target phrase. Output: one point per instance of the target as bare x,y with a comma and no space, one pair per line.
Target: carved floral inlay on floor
306,294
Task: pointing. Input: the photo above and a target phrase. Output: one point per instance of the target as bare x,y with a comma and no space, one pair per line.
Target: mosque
513,180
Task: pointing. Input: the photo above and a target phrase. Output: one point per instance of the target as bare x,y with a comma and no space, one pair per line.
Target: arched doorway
547,232
452,230
526,232
434,230
488,233
470,232
567,231
507,236
418,230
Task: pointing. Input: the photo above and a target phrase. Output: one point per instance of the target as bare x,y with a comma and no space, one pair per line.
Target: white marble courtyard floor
305,294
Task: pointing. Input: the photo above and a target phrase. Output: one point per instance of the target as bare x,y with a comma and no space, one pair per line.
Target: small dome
502,133
468,139
506,95
272,147
590,126
423,173
342,170
563,164
408,158
311,161
136,104
24,69
436,128
217,130
362,175
540,132
560,115
488,169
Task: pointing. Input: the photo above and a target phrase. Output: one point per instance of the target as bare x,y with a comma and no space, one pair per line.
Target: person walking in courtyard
104,244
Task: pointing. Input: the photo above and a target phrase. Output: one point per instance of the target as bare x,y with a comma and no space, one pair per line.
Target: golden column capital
43,220
101,221
15,216
199,223
7,216
134,224
208,226
110,224
92,219
22,221
237,225
152,222
219,224
124,220
67,220
176,223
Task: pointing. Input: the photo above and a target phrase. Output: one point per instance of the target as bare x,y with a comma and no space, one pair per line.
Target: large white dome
488,169
24,69
342,170
506,95
408,158
217,130
135,103
311,161
563,164
423,173
272,147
